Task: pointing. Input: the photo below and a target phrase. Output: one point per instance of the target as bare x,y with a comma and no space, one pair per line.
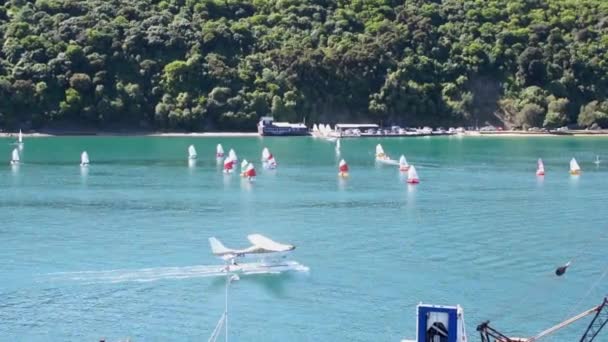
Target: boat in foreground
439,323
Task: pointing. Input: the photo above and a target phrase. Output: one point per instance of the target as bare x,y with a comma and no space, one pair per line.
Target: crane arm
565,323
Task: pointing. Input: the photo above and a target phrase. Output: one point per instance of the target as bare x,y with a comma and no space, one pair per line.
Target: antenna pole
226,307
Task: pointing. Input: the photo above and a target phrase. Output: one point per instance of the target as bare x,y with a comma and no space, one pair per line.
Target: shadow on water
275,284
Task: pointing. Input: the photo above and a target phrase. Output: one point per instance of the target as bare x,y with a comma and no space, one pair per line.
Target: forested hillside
220,64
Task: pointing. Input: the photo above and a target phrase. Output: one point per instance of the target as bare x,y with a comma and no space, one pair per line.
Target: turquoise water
480,231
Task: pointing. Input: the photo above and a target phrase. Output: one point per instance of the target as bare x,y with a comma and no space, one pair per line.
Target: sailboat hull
387,161
413,181
575,172
540,173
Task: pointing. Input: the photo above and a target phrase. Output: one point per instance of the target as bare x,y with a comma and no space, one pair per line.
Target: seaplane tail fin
217,247
267,244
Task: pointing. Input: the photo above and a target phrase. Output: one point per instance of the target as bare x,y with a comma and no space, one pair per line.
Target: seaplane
266,252
260,248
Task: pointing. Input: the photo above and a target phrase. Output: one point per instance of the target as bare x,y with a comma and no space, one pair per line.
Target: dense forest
221,64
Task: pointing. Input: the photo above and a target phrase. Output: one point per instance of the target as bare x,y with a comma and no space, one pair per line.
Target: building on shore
268,127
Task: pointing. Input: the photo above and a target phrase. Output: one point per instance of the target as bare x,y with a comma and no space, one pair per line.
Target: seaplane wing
221,251
263,244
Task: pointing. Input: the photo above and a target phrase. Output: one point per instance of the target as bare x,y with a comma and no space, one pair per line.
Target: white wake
185,272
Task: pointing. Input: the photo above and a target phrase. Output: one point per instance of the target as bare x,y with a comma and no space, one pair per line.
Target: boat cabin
267,126
438,323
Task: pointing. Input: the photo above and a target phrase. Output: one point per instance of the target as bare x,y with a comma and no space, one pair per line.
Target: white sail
232,155
379,150
20,137
541,166
403,161
84,158
412,175
15,156
219,150
191,152
244,164
342,162
597,160
265,154
574,165
315,128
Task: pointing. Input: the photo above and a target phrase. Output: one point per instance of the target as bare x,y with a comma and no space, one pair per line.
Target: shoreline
508,134
130,134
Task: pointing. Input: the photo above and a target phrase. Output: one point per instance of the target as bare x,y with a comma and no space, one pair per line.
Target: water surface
114,252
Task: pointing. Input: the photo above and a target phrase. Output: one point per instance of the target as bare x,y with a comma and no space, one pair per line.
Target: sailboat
540,170
219,151
191,152
403,165
244,164
343,169
271,163
315,128
338,146
265,154
84,158
412,176
15,157
597,160
383,157
228,165
232,156
574,168
250,172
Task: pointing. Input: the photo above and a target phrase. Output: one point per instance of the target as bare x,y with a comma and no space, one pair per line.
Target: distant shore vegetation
221,64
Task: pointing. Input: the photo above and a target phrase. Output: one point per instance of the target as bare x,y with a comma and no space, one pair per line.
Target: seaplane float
267,256
270,255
